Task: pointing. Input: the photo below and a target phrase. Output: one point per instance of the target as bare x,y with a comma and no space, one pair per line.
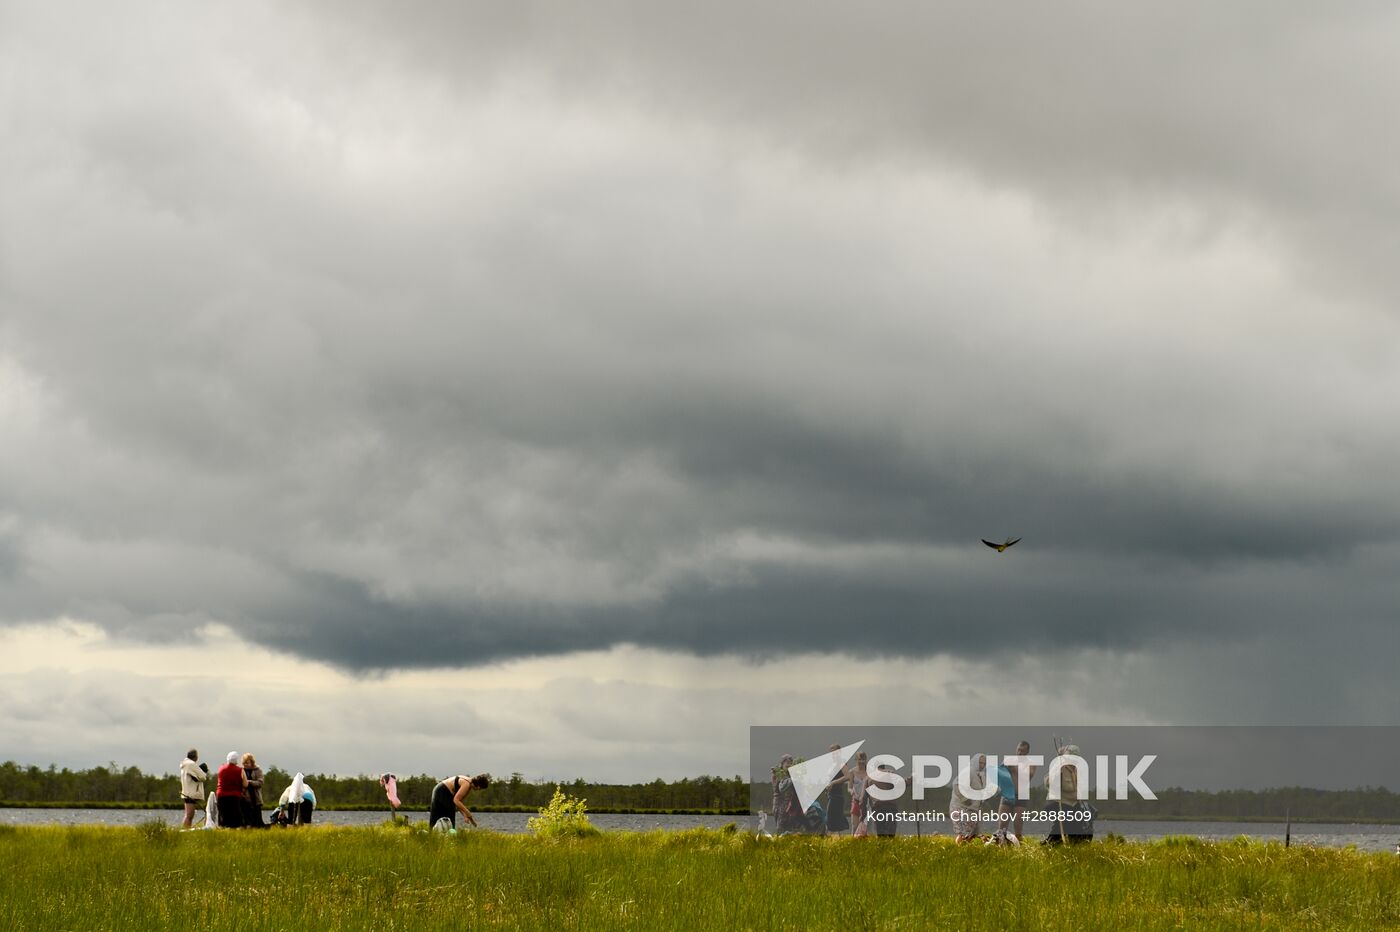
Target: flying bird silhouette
999,548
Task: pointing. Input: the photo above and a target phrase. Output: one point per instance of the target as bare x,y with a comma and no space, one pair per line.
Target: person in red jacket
232,783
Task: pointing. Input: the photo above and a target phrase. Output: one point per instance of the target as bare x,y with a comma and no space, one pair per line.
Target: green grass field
336,878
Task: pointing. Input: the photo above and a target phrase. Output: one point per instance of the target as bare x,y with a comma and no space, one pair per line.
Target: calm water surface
1325,834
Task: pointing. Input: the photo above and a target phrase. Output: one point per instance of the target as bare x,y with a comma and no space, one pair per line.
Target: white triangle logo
811,777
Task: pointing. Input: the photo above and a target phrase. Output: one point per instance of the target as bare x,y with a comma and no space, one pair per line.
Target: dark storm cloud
484,333
881,612
775,612
872,486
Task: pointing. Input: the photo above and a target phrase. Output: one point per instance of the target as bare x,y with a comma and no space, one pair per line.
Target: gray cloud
440,335
1093,105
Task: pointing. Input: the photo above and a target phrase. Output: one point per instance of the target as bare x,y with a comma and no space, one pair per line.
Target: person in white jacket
192,777
297,802
964,812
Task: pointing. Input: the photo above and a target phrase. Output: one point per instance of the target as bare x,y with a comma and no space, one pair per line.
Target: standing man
1016,792
192,777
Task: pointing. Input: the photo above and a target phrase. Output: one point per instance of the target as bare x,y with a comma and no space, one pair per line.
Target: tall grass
152,877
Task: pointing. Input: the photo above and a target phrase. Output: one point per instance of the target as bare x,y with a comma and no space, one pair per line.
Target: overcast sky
564,388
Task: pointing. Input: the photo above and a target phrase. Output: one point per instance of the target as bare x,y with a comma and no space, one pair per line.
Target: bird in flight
999,548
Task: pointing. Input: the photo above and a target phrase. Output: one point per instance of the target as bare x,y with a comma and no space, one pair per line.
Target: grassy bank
326,878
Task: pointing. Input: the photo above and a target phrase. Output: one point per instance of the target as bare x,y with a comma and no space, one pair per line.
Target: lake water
1327,834
1338,835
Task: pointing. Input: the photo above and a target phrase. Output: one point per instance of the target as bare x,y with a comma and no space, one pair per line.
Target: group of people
1013,780
846,804
237,799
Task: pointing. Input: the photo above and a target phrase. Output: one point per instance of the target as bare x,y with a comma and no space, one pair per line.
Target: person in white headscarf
297,802
963,811
231,786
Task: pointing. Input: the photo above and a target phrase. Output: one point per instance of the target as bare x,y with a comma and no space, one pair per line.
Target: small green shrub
564,817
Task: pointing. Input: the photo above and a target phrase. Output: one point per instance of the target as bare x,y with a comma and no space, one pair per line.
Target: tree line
113,785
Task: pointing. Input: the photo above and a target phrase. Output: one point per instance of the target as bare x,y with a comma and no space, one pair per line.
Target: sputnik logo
811,777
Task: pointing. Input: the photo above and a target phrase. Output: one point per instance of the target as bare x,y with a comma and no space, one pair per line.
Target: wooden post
1060,802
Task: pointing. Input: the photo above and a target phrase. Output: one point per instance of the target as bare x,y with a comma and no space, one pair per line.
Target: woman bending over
449,798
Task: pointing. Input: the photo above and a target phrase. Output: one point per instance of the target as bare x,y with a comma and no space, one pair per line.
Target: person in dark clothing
230,793
837,802
449,798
